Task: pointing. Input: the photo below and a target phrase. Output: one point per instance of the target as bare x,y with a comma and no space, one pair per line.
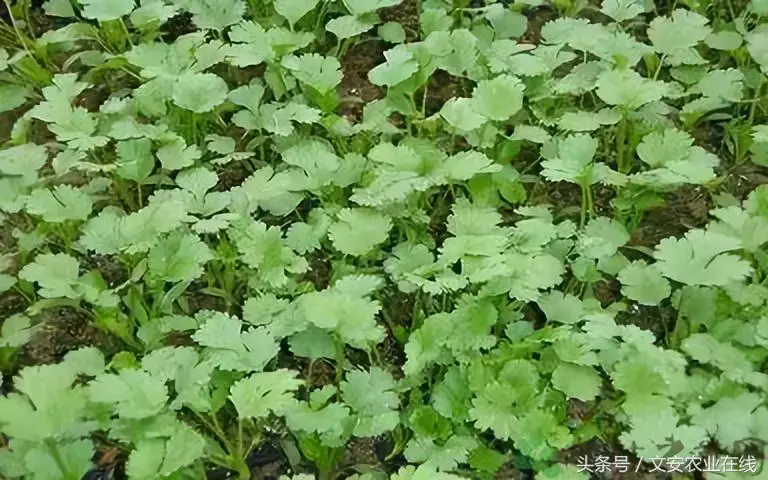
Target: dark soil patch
8,120
744,179
442,87
266,462
686,208
391,353
177,26
320,270
508,471
112,271
607,291
657,320
318,373
11,303
355,89
565,198
366,451
407,15
63,330
232,175
536,20
198,300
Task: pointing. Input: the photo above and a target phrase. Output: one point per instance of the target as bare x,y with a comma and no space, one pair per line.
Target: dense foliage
479,260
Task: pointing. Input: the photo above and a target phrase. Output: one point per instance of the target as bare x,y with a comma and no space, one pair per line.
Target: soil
355,89
198,300
320,271
63,330
685,208
177,26
8,120
66,329
407,15
743,179
442,87
536,19
232,175
112,271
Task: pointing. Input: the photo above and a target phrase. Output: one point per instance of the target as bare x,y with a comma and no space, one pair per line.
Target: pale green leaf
199,92
293,10
261,393
59,204
700,258
577,381
103,10
400,64
358,230
132,393
643,283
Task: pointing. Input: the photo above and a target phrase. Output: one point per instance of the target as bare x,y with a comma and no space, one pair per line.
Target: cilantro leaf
215,14
370,396
177,258
16,331
400,64
358,230
293,10
55,274
199,92
499,98
700,259
59,204
601,238
674,160
261,393
628,89
134,393
621,10
577,381
103,10
675,37
321,73
643,283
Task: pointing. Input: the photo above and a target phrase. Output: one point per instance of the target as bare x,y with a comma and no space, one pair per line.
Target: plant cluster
463,280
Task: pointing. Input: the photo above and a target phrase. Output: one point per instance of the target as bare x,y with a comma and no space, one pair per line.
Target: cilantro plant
381,239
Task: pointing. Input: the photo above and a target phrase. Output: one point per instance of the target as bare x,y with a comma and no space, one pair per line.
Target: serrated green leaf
134,393
700,258
261,393
103,10
643,283
293,10
135,160
59,204
199,92
358,230
577,381
400,64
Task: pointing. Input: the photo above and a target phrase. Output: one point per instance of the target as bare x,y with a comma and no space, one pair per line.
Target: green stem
127,33
658,69
621,140
583,218
17,30
758,95
60,463
339,362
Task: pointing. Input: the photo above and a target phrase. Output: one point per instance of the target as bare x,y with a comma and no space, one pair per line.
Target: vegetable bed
383,239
